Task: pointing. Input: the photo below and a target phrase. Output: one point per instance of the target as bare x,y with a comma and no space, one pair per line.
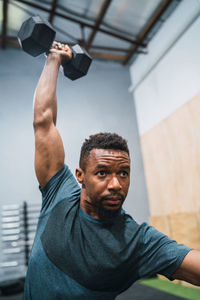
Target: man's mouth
113,201
113,197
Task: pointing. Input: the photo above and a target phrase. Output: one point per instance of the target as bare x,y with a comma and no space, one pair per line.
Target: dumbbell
36,36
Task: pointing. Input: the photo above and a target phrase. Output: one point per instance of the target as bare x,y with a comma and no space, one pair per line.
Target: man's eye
123,174
101,173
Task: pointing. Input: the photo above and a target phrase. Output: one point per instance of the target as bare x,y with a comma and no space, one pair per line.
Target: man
86,246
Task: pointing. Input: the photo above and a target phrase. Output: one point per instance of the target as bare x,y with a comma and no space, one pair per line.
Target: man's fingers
62,50
59,46
66,47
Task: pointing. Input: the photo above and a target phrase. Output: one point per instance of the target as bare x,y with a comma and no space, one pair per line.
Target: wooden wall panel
185,229
161,224
171,154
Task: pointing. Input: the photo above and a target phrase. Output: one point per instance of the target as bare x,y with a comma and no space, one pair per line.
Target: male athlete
86,246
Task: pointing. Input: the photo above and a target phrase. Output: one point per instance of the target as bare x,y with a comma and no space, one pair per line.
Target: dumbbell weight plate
79,65
36,36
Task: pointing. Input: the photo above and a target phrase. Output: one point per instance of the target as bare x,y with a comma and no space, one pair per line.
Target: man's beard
107,213
104,213
96,205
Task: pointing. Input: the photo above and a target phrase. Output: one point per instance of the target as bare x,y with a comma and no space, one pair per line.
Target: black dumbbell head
79,64
36,36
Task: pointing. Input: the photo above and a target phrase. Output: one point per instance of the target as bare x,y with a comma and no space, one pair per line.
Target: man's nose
114,184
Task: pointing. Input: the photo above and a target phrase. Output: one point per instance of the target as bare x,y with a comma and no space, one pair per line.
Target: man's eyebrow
125,167
100,166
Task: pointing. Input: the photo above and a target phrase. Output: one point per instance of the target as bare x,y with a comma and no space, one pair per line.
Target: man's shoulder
132,224
61,186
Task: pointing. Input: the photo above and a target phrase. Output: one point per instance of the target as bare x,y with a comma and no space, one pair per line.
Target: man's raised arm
49,151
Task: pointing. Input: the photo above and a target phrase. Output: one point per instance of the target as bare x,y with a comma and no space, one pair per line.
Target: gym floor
137,292
148,290
156,289
142,292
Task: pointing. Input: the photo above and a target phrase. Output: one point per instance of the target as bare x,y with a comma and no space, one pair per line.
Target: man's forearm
45,102
190,268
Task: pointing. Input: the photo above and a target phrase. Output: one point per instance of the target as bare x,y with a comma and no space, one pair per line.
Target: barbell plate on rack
7,238
12,250
7,264
19,230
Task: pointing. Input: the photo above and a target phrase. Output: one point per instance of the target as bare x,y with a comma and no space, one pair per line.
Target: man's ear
80,175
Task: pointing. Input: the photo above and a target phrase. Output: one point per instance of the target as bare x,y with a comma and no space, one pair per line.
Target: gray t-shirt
76,256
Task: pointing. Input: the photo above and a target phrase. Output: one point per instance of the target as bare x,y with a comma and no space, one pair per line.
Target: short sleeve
61,186
159,254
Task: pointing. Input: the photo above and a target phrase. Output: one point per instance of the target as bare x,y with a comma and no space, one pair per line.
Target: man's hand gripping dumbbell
63,51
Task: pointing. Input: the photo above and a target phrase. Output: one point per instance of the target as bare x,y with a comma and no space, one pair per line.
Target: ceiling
116,30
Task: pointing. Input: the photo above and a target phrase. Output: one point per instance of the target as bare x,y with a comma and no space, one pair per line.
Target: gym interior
143,84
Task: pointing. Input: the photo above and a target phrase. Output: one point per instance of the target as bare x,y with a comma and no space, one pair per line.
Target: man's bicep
189,270
49,153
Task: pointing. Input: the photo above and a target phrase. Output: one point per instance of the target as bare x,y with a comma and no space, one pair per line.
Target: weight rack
17,232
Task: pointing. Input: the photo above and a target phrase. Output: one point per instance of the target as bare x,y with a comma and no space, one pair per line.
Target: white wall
98,102
169,75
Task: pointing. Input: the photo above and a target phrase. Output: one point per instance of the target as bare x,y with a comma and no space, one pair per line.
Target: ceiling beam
4,23
98,22
82,35
105,24
147,28
108,56
53,9
12,41
109,48
84,24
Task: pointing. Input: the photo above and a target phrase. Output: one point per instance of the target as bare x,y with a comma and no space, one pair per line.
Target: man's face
105,181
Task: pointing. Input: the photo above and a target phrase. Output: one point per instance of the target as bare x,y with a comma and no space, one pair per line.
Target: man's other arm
49,150
190,268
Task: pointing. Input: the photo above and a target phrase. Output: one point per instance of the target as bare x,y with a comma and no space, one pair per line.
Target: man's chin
109,211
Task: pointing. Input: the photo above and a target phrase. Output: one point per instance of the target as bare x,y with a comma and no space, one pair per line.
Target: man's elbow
42,119
196,281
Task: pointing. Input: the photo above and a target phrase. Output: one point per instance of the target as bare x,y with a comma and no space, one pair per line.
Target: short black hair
101,140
